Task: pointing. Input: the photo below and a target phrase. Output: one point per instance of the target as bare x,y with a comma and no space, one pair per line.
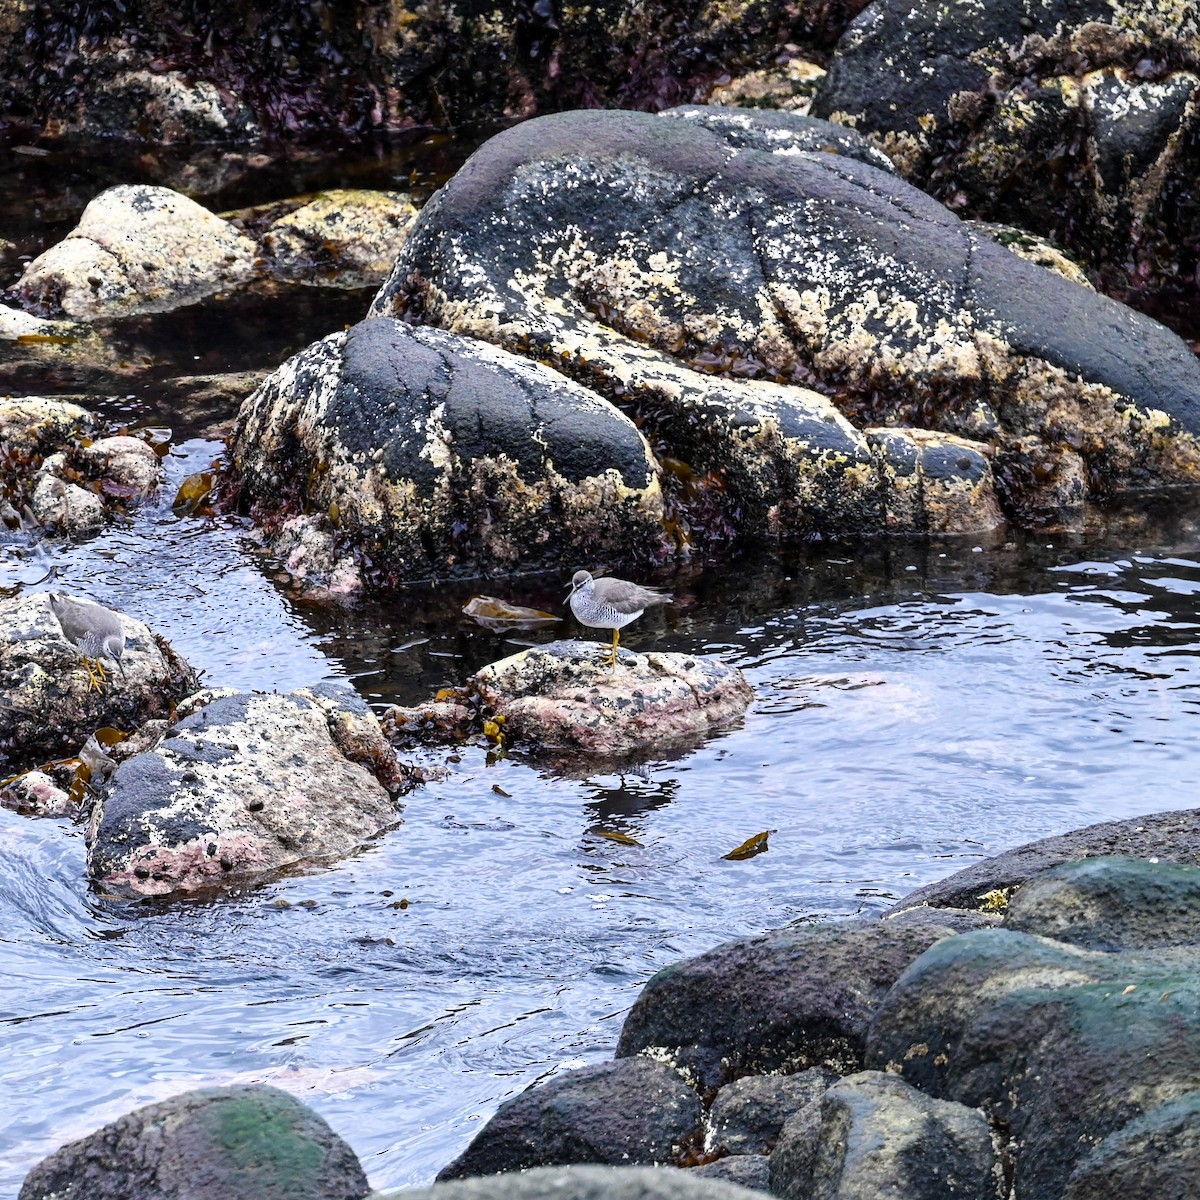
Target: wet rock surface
619,1113
48,706
872,1136
583,1183
242,788
747,1115
423,453
209,1144
561,696
788,1000
704,285
1074,120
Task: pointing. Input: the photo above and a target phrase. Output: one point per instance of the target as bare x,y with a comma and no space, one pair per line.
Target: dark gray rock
1060,1047
624,1112
699,284
873,1137
211,1144
746,1170
1072,118
427,453
1156,1154
787,1000
240,789
583,1183
748,1113
1111,904
1168,837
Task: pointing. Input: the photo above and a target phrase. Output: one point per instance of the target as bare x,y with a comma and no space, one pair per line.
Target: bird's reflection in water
617,803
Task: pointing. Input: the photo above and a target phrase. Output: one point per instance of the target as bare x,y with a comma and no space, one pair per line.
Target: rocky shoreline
1023,1028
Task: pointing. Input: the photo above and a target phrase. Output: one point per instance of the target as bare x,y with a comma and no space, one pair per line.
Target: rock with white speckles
137,249
1077,119
560,697
695,279
239,790
423,453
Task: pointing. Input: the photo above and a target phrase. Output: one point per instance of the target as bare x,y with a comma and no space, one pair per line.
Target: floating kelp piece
751,846
192,499
499,615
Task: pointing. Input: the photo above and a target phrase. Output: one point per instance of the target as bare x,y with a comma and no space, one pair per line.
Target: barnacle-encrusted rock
345,238
561,697
694,278
48,707
137,249
241,788
428,453
1074,118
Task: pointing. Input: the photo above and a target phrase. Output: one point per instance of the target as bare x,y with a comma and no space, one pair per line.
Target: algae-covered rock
210,1144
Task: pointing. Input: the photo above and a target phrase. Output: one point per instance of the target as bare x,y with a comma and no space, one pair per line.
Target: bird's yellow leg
616,642
96,674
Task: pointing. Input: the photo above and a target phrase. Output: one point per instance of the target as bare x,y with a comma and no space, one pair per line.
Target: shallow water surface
918,706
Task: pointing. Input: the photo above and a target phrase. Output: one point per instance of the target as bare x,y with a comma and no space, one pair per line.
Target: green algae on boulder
209,1144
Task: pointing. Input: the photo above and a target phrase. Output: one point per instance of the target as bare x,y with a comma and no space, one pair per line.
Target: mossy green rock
1061,1047
211,1144
1111,904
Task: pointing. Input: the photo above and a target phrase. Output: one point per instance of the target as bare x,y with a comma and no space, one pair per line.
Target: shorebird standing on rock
608,603
96,630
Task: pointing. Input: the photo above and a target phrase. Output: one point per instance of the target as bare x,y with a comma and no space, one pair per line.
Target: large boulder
794,998
242,788
137,249
48,704
747,1114
425,454
1074,118
210,1144
697,280
1061,1047
873,1137
625,1112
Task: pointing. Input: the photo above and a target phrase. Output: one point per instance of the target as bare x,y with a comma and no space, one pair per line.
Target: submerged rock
697,280
561,697
623,1112
209,1144
421,453
241,788
137,249
48,707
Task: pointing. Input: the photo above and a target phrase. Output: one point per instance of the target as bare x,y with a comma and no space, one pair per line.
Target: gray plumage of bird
608,603
96,630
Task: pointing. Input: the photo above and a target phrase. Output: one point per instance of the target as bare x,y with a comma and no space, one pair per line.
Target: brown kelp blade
499,615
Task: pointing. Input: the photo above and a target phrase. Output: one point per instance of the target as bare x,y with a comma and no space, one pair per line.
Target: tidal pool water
919,705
